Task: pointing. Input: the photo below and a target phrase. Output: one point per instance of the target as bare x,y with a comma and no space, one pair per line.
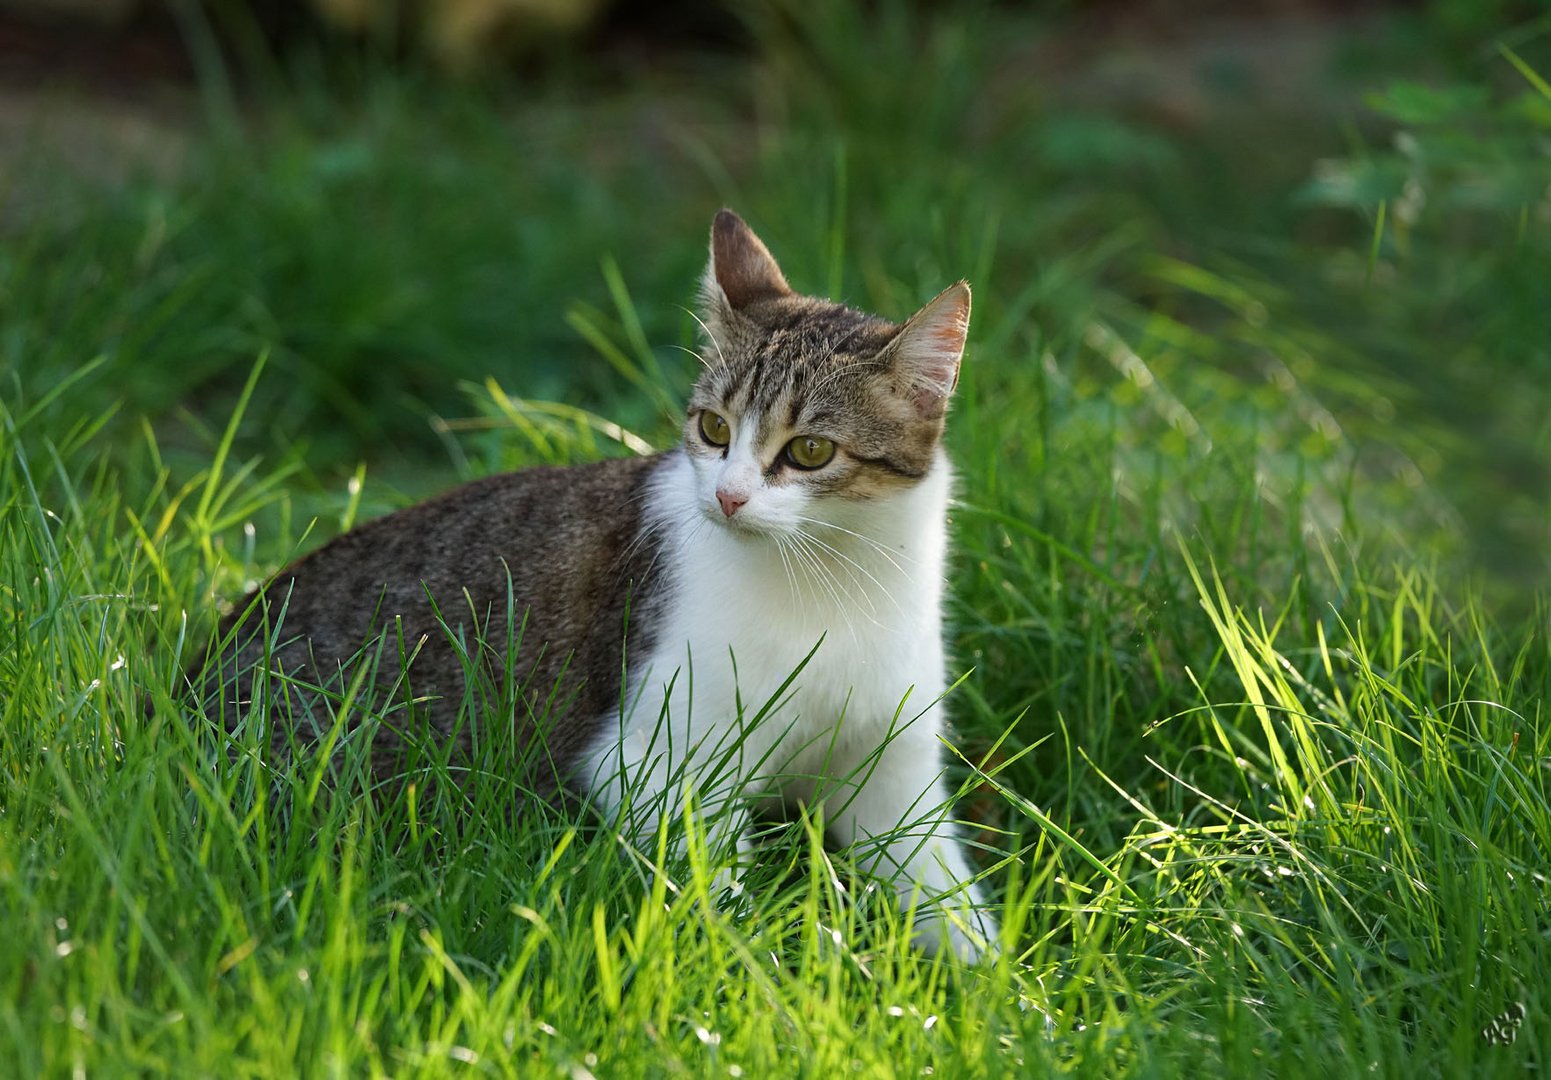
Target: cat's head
805,406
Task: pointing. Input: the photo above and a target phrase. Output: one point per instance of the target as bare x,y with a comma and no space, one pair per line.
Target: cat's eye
714,429
810,451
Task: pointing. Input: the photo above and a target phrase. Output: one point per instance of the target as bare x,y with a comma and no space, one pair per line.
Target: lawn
1251,580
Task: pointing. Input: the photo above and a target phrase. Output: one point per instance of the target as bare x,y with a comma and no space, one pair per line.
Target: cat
656,608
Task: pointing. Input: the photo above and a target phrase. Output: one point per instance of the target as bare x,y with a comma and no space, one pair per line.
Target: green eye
714,429
810,451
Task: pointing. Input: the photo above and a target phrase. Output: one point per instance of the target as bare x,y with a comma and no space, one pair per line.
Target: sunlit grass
1252,835
1255,761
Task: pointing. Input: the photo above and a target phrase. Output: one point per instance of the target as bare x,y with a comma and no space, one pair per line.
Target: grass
1250,578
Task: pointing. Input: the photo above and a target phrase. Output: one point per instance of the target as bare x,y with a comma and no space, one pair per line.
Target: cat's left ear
926,353
741,269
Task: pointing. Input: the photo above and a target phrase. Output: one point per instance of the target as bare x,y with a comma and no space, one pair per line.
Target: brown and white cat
655,609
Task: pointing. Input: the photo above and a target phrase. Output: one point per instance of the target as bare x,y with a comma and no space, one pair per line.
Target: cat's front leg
638,778
902,806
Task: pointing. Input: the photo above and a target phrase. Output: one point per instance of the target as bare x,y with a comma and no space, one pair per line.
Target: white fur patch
748,600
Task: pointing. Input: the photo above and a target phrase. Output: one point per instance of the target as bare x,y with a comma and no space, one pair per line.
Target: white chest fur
862,593
717,706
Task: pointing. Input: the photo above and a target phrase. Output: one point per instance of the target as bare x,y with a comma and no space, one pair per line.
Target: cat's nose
730,503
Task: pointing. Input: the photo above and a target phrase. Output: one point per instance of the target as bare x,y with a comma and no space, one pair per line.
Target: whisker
814,570
696,354
722,359
846,369
858,566
841,340
791,579
876,545
835,586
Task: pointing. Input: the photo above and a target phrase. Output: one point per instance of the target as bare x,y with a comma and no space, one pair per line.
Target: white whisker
855,567
856,594
696,354
709,337
881,549
791,578
847,369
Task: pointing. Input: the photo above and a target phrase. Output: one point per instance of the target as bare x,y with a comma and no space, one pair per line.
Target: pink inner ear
930,347
949,345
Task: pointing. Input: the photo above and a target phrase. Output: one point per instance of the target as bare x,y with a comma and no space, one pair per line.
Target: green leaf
1415,103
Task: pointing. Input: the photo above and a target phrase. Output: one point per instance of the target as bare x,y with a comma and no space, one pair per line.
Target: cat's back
553,530
522,578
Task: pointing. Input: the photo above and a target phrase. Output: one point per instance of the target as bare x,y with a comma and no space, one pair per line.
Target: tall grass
1256,760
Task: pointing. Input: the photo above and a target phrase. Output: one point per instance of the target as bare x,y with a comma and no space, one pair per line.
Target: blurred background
1303,242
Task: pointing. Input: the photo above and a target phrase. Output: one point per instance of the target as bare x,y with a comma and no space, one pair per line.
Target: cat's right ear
741,271
929,348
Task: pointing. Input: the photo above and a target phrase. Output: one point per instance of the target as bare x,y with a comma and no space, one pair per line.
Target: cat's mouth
742,523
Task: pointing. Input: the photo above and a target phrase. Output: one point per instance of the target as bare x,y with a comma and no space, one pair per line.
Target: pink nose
730,503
